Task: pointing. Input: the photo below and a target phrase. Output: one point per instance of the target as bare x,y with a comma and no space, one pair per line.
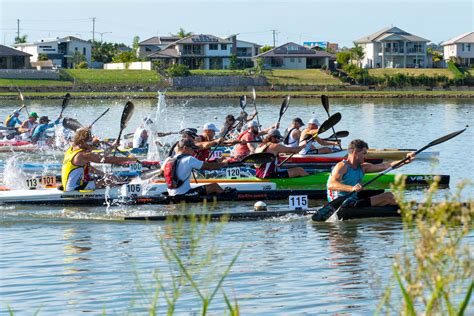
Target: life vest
72,174
202,154
171,172
266,170
286,137
8,119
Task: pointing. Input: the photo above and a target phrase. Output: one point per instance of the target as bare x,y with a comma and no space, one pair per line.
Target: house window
468,47
215,63
299,60
223,46
213,47
292,60
75,48
463,47
84,50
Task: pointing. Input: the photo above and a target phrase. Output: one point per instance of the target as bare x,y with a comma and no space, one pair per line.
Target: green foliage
136,40
42,57
455,70
78,58
435,267
357,54
112,77
343,58
259,66
125,57
82,65
103,51
178,70
219,72
233,62
360,75
435,56
182,33
265,48
21,39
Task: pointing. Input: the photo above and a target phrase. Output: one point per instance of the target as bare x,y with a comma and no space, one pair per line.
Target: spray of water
14,176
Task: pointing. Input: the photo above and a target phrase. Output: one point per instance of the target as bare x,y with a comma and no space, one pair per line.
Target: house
244,51
461,48
11,58
154,44
197,52
59,50
295,56
393,48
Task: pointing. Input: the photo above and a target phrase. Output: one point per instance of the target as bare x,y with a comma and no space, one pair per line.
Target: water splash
14,175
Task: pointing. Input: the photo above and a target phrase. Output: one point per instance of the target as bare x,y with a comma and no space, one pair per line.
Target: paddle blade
71,124
20,95
126,114
330,122
259,158
337,135
254,95
66,100
327,210
284,107
243,101
325,102
442,140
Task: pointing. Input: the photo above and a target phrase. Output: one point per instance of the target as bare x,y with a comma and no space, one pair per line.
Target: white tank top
292,142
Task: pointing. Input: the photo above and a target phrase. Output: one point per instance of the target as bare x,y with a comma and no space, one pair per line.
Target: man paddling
293,133
39,132
12,120
347,176
76,170
271,144
315,146
177,171
249,139
142,134
206,141
28,126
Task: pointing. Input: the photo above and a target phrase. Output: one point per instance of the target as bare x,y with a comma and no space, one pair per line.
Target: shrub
82,65
343,58
178,70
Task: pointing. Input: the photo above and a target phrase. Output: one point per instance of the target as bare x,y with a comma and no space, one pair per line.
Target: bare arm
368,167
287,150
336,177
325,142
85,157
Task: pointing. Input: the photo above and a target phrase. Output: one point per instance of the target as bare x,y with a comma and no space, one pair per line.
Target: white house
393,48
59,50
295,56
460,47
244,51
154,44
197,52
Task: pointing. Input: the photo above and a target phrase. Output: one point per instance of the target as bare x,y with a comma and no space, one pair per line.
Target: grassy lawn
33,83
430,72
220,72
314,77
109,77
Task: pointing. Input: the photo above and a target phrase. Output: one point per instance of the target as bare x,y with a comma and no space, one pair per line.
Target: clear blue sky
340,21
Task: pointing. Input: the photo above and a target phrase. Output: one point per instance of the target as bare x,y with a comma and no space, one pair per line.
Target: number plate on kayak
135,167
32,183
48,180
217,154
131,190
298,202
232,172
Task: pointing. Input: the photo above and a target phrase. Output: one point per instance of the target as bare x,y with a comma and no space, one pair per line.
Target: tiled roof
384,33
8,51
203,38
300,51
463,38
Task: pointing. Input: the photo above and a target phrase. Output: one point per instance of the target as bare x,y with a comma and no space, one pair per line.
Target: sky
338,21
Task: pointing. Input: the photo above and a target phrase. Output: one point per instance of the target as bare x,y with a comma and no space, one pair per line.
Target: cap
187,143
274,133
210,127
44,119
252,124
314,120
298,120
34,114
189,131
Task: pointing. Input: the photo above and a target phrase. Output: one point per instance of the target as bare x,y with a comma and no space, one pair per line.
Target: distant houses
59,50
461,48
155,44
11,58
393,48
295,56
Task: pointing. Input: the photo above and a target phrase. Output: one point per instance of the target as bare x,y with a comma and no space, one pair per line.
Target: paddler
271,144
316,145
12,119
229,126
76,170
186,133
142,133
206,140
348,174
27,126
293,133
39,131
248,139
177,171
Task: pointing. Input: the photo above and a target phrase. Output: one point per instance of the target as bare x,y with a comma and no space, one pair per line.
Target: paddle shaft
254,98
325,102
95,121
223,137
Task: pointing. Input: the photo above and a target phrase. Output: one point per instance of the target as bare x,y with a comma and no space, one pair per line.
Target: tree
182,33
343,58
77,58
42,57
265,48
233,62
357,54
21,39
435,55
104,52
125,57
178,70
136,40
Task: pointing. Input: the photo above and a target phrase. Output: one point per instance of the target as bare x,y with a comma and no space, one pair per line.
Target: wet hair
357,145
82,136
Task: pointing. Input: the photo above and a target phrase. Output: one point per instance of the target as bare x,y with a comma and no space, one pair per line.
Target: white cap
210,127
314,120
252,124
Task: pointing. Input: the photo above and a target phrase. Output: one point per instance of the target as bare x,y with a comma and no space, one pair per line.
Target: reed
433,273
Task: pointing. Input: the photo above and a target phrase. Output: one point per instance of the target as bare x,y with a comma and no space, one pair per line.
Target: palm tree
21,39
357,54
182,33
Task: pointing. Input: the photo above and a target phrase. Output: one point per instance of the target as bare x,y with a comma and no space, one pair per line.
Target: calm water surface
72,261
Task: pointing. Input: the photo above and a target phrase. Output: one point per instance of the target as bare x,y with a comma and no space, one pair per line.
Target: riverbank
234,94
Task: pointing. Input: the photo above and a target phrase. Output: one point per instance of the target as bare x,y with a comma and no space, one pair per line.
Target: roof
159,40
168,52
463,38
301,51
239,40
390,31
203,39
8,51
72,38
54,40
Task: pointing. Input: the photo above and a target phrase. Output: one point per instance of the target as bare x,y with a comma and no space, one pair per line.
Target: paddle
330,208
71,124
95,121
339,134
236,123
65,103
325,102
126,115
329,123
23,105
254,98
283,108
243,102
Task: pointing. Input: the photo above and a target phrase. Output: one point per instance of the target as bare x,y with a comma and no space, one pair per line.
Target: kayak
319,180
398,154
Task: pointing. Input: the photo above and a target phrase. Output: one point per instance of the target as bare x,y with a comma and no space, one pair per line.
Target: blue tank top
351,177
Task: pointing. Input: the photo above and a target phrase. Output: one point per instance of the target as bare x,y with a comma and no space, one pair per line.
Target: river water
85,260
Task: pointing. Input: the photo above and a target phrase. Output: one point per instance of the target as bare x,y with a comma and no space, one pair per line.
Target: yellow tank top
69,167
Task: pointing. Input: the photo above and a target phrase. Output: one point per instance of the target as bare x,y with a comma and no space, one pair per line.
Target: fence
146,65
29,74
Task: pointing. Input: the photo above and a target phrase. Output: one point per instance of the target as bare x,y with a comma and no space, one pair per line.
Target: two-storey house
461,48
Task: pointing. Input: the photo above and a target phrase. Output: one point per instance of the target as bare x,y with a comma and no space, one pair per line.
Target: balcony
415,51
